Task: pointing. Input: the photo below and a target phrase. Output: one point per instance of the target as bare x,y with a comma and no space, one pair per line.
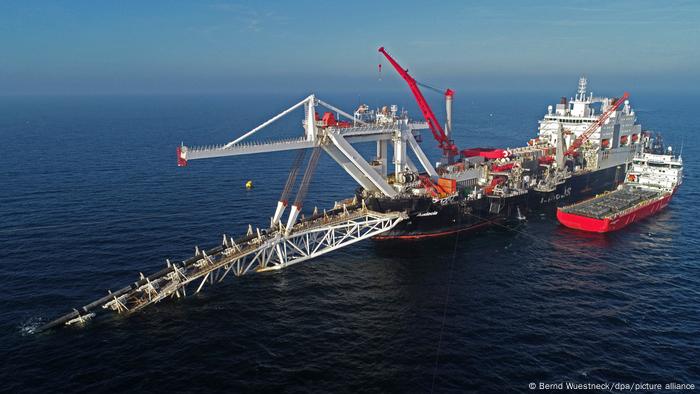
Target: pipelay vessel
584,147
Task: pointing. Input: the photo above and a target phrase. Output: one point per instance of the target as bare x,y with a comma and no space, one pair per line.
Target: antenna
582,84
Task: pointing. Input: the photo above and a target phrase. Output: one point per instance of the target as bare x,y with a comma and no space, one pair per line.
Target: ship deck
611,203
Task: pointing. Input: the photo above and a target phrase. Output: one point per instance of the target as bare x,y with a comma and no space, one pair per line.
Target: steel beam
361,164
271,251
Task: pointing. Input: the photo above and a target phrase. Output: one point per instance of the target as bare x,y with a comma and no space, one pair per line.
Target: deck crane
448,147
593,127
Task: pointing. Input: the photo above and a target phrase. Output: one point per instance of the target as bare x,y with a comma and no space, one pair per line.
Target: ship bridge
572,117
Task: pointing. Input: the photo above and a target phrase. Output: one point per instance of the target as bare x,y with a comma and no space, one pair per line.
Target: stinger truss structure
295,240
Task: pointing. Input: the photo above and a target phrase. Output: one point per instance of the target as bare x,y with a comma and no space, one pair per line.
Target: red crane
592,128
447,146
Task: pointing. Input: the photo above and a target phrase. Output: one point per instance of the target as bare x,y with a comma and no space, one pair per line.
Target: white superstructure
618,139
656,171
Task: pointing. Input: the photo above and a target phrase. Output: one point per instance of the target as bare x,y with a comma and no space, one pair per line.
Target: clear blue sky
212,46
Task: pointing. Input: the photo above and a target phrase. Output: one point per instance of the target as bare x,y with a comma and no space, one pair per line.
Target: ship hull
584,223
438,220
430,220
577,188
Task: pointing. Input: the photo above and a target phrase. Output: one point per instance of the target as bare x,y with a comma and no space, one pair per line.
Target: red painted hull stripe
429,235
585,223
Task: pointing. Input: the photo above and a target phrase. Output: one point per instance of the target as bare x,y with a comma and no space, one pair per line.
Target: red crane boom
447,146
592,128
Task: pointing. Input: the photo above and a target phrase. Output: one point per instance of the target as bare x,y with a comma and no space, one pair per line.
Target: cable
431,87
444,311
308,174
291,179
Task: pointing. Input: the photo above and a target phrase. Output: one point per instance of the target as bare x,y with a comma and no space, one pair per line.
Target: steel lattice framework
257,252
282,245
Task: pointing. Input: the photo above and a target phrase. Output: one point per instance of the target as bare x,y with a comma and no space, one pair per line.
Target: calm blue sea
90,195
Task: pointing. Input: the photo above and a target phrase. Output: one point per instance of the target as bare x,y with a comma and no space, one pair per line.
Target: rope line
444,311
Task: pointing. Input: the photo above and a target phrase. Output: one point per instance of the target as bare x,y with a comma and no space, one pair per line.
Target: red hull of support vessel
585,223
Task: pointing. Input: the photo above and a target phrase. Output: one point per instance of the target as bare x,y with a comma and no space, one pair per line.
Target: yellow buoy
249,185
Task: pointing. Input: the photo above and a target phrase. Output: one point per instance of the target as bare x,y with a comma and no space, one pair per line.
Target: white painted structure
296,241
654,171
259,251
387,127
612,144
264,252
